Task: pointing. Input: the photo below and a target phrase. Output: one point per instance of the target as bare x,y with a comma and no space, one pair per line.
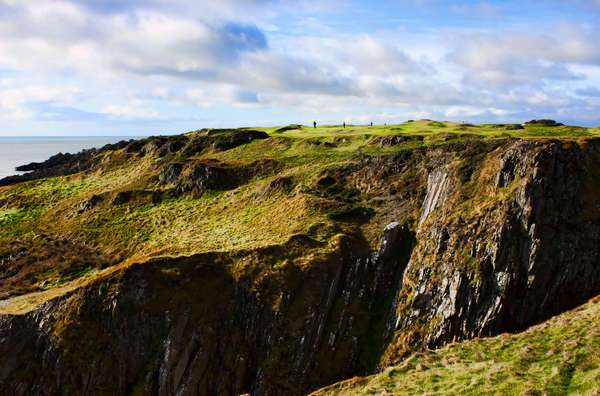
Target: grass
560,356
261,221
244,217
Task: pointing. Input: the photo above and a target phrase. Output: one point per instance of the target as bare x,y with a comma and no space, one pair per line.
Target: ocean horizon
21,150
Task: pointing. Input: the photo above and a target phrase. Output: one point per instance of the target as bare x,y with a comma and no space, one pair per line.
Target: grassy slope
241,218
560,356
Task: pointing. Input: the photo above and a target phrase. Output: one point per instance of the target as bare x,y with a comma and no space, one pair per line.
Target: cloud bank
118,67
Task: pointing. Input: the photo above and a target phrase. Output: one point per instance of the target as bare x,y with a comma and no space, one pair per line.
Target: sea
16,151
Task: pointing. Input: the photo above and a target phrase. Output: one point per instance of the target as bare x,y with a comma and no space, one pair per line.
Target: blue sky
96,67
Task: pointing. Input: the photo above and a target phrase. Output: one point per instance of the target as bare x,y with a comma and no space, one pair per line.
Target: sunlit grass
561,356
236,219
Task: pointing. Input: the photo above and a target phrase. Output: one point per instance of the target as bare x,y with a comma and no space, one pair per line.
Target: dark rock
10,180
196,145
55,160
162,145
209,174
152,147
63,164
171,147
392,140
89,203
325,181
57,165
203,176
121,198
135,146
170,174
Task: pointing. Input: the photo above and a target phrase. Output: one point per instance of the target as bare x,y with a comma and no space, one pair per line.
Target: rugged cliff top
560,356
217,190
279,260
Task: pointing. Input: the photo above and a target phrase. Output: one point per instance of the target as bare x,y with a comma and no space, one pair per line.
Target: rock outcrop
92,159
211,175
511,261
187,326
480,237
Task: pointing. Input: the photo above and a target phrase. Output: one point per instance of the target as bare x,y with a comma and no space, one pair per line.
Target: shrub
513,127
547,123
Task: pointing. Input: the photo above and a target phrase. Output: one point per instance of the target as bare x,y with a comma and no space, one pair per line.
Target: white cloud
158,60
64,36
131,112
523,57
454,112
14,99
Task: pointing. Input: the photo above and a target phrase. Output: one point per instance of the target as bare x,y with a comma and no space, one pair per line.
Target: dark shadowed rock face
170,173
199,176
186,326
279,184
121,198
211,175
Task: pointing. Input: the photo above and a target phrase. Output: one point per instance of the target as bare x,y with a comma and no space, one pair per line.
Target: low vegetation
262,209
558,357
128,206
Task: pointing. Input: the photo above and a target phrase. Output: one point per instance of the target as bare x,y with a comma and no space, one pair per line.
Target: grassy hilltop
287,190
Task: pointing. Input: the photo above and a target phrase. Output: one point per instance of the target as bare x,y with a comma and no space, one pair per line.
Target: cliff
557,357
277,261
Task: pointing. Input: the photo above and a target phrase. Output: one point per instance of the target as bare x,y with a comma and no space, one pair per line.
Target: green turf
559,357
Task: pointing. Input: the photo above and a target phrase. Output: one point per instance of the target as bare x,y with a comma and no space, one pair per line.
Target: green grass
561,356
239,218
59,280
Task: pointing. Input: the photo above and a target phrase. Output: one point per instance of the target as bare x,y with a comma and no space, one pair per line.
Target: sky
147,67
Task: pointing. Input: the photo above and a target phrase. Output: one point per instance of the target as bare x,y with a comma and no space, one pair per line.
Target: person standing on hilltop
344,124
314,124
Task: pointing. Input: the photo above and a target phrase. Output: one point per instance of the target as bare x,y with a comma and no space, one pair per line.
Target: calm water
15,151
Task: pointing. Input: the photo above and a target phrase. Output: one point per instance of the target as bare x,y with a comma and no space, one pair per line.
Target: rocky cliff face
511,246
490,236
187,326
